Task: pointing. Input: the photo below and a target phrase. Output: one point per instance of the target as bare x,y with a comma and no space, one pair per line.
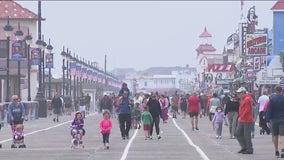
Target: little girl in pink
106,126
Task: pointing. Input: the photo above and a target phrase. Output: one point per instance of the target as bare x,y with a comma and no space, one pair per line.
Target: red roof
15,11
205,48
205,34
279,5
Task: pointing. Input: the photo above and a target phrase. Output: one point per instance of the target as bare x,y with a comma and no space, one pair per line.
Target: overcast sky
141,34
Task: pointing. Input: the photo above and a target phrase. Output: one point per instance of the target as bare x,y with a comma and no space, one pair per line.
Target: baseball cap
241,89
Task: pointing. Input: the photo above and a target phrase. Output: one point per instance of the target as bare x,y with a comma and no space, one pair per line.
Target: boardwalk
47,140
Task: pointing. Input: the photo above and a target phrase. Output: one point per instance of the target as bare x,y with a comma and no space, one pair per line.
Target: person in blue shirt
275,119
16,111
124,114
123,88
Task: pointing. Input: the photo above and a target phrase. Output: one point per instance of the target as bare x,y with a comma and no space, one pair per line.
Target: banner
256,63
35,56
49,60
18,51
256,44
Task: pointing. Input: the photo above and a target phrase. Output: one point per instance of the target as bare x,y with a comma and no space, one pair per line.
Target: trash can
42,108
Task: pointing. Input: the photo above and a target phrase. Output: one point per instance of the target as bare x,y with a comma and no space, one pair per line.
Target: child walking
218,120
106,126
147,120
136,116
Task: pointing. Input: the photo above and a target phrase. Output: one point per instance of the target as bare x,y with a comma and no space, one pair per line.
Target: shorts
277,127
175,108
82,108
136,118
193,115
146,127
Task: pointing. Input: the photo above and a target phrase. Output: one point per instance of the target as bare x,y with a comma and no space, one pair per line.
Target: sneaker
159,137
220,137
277,154
54,119
248,152
196,128
151,137
123,137
282,153
217,137
242,150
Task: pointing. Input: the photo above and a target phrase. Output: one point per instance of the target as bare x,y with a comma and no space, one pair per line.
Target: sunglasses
15,99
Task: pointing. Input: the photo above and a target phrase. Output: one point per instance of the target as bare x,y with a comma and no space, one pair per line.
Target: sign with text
49,60
256,63
35,56
18,51
256,44
229,67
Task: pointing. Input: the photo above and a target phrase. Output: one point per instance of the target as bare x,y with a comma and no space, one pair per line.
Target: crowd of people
238,110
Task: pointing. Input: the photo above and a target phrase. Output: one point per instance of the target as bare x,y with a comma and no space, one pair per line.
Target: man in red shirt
193,110
243,131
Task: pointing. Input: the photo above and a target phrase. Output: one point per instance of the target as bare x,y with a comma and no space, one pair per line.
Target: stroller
76,142
18,136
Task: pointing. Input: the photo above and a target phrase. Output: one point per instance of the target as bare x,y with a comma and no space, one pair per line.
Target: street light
49,49
28,40
19,35
43,64
8,31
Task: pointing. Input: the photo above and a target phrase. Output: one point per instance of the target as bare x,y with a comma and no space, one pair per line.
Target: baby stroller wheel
13,146
22,146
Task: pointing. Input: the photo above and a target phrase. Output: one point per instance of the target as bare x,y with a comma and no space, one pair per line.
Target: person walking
203,103
243,132
106,126
214,103
105,104
217,122
183,105
174,105
275,120
194,110
231,111
124,114
156,112
147,120
16,111
56,105
262,122
164,105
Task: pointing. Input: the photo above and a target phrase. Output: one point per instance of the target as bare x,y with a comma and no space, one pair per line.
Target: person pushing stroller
16,113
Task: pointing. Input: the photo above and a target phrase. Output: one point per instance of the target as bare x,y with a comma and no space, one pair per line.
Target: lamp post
63,54
19,35
42,110
49,49
43,64
8,31
28,40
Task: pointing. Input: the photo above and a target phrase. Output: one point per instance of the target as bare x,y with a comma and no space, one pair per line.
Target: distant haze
141,34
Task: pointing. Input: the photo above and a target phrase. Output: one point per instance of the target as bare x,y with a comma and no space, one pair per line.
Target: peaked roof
15,11
279,5
205,48
205,34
